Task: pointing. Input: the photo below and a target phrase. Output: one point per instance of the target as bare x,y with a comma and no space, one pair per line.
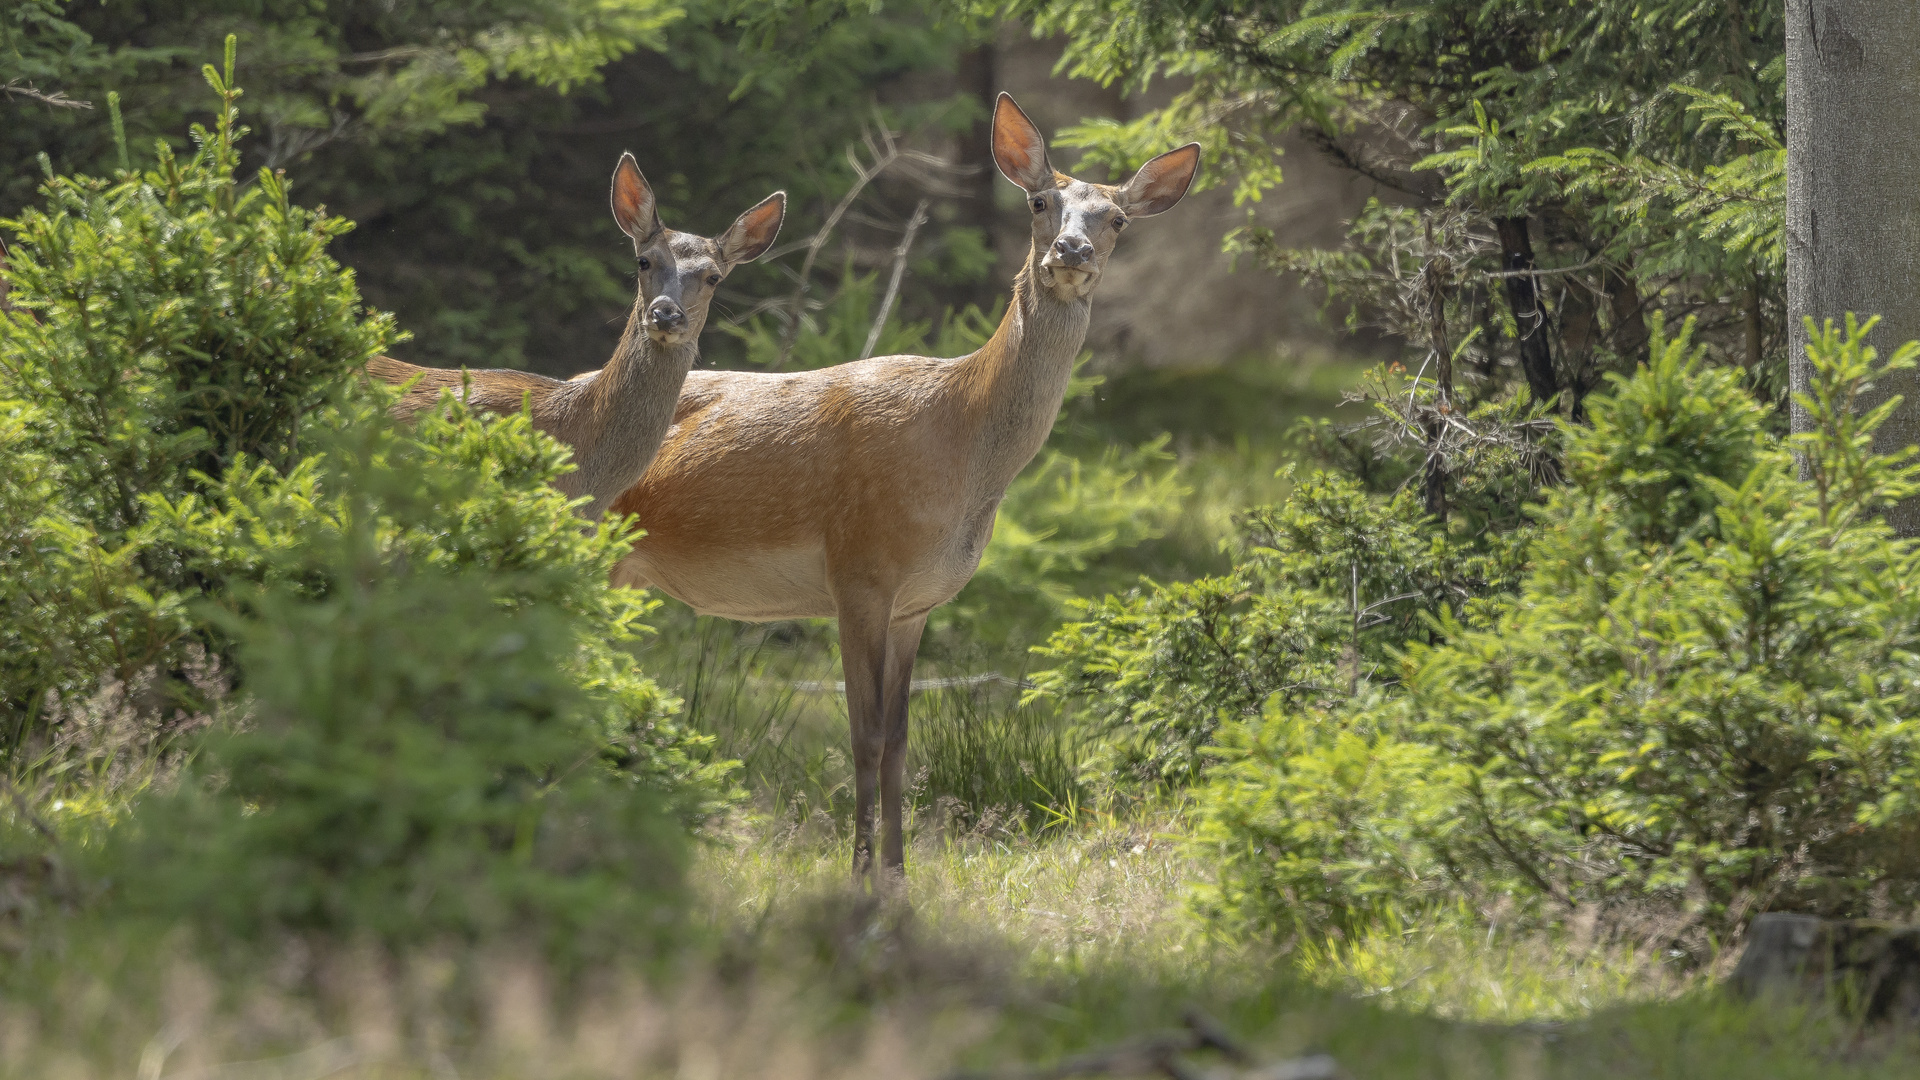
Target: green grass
1019,946
1033,925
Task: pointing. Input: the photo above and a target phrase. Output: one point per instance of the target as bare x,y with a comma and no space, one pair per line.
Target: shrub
1700,698
72,609
168,324
432,672
438,734
1325,588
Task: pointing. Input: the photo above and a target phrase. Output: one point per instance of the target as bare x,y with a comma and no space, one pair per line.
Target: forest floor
1037,947
1024,936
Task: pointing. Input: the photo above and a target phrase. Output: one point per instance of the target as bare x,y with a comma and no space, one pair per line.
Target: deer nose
666,315
1073,250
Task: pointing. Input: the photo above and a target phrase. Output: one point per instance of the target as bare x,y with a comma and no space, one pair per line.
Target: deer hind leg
903,643
863,660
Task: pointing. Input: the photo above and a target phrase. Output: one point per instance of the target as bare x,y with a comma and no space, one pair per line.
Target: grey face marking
678,272
1076,229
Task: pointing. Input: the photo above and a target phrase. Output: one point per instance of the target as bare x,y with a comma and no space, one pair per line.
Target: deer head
1075,223
678,271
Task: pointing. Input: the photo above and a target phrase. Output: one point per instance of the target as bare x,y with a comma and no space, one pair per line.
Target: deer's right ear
633,207
1018,148
754,232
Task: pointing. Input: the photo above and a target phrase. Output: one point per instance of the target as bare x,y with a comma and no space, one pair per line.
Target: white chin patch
1068,277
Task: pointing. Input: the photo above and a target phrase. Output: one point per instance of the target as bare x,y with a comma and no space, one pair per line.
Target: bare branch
883,149
899,270
58,99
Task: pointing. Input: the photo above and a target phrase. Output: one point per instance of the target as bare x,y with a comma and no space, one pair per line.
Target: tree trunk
1871,969
1853,201
1630,332
1523,296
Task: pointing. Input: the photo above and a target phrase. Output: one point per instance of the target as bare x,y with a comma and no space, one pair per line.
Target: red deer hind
614,418
866,492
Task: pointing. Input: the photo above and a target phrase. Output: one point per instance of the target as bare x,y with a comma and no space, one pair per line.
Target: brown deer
866,492
614,418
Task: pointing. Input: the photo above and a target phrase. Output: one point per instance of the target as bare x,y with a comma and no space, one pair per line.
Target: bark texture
1523,296
1853,190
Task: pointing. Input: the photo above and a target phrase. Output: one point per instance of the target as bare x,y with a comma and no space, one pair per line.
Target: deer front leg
863,661
903,644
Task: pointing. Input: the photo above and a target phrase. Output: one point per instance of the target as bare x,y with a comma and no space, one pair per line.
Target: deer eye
713,279
1039,205
645,264
1119,223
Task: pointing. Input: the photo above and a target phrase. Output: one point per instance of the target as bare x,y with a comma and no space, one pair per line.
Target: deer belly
751,586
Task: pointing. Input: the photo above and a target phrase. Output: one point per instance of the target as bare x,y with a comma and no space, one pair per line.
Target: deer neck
1017,380
617,417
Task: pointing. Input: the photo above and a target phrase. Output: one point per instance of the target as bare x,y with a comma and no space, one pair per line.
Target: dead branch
883,150
918,219
58,99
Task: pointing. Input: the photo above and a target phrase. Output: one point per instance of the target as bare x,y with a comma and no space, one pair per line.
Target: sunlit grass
1450,967
1055,892
1103,887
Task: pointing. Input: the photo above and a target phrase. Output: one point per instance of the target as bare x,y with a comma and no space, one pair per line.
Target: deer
614,418
866,492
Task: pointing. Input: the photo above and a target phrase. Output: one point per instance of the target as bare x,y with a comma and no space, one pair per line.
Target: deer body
769,486
614,418
867,491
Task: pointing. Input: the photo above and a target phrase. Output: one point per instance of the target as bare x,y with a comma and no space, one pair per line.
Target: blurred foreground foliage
375,674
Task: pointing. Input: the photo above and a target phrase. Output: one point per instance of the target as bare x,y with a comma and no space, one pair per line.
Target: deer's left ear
753,233
1162,182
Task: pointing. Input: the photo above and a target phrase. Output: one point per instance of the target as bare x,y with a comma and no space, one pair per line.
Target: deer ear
753,233
1162,182
1018,147
633,207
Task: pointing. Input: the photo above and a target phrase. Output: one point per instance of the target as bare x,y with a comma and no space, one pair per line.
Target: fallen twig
1159,1055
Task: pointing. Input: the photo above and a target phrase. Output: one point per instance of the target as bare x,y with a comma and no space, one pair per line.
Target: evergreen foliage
433,682
167,325
416,716
1327,587
1552,175
473,141
1688,686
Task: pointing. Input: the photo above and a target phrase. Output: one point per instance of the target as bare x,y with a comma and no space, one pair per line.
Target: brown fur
614,418
866,492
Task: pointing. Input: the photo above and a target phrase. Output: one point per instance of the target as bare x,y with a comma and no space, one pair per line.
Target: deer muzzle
1071,252
665,317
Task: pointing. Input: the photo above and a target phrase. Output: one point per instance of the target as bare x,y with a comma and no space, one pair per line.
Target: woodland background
1423,638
